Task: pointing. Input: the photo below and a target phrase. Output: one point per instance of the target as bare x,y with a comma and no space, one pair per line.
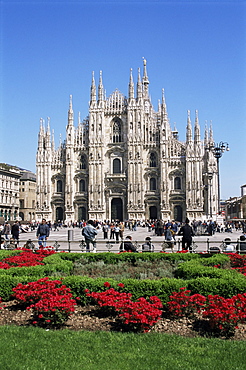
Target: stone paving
61,237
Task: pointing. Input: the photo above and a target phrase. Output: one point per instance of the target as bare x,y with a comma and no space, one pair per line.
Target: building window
116,165
21,203
59,186
177,183
152,160
83,162
116,131
81,185
152,183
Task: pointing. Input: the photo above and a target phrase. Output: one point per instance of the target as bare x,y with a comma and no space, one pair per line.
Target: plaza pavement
61,237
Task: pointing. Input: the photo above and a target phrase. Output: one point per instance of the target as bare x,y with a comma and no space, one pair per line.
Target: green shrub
8,253
193,269
223,287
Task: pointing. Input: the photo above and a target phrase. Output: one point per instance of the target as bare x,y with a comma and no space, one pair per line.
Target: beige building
9,192
236,206
27,196
125,161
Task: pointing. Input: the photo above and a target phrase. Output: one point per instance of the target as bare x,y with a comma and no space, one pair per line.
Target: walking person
6,230
43,232
15,231
90,232
187,234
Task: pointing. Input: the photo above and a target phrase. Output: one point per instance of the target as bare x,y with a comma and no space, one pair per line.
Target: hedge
194,272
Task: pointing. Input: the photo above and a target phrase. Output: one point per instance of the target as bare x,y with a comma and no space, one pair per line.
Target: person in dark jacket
127,245
43,232
15,231
187,233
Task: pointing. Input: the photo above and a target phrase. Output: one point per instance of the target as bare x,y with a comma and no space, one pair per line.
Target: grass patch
35,349
140,270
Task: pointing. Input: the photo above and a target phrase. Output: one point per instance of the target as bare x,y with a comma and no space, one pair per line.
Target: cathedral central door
117,209
178,213
153,212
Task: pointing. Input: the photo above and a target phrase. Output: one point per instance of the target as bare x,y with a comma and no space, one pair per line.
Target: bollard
70,239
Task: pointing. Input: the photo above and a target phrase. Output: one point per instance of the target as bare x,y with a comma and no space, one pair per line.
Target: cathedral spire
163,105
139,86
206,134
70,112
145,80
197,138
100,88
211,138
53,141
93,89
41,133
131,86
188,128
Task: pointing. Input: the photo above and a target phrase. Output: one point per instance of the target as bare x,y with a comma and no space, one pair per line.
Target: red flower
106,284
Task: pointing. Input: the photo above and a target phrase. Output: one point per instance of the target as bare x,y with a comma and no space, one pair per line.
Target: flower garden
207,290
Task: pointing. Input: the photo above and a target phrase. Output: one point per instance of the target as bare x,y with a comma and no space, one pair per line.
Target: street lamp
218,150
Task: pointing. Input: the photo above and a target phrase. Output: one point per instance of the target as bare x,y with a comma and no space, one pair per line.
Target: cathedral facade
124,161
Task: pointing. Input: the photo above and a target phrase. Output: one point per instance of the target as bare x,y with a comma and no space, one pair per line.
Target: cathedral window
152,160
116,131
81,185
152,183
82,162
116,165
177,183
59,186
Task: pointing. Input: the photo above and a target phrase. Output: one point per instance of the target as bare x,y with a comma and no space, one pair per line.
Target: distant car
25,228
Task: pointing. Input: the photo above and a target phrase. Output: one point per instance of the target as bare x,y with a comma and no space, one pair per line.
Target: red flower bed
139,315
224,314
26,258
238,262
50,300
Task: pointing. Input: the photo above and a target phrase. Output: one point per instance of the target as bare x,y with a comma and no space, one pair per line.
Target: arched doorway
59,214
178,213
153,212
117,209
82,213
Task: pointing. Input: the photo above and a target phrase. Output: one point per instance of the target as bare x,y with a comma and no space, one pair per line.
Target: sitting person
241,245
127,245
147,246
229,248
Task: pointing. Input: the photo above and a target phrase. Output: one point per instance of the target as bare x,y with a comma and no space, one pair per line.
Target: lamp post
210,176
218,150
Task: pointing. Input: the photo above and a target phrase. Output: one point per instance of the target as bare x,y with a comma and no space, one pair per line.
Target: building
124,161
236,206
9,192
27,196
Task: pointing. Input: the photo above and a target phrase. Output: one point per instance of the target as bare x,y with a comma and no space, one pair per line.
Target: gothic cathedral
125,162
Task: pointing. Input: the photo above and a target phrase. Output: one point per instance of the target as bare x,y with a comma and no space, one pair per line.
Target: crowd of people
114,230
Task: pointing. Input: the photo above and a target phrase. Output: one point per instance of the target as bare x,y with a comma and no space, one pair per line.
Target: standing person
122,228
15,231
43,232
105,229
117,232
90,232
6,230
187,233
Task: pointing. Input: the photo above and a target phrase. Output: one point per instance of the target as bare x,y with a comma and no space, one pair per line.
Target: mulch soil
90,318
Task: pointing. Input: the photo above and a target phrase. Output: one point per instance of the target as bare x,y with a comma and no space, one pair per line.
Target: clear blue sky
195,51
